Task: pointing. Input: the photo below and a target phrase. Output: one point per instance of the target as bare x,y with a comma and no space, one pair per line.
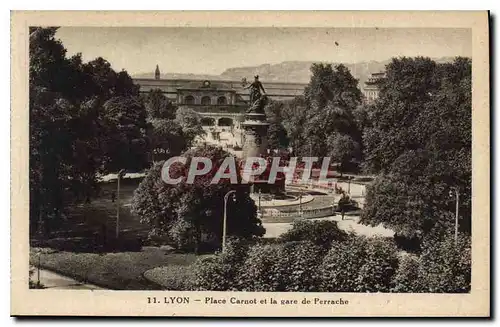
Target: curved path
54,280
350,223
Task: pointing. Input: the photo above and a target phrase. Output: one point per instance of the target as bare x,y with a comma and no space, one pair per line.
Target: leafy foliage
167,138
343,148
190,122
420,143
69,134
298,266
359,265
354,265
220,273
277,137
260,272
293,119
443,267
192,213
158,106
262,267
321,123
321,233
126,144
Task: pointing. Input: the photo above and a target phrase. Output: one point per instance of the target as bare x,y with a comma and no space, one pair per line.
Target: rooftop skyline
213,50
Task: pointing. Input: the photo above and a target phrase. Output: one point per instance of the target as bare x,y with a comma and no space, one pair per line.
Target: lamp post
226,197
457,198
120,174
300,203
259,200
333,206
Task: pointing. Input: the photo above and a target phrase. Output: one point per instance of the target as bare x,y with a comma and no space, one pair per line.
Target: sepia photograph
246,166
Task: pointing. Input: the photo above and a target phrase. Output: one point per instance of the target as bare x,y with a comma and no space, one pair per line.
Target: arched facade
224,121
205,100
222,100
207,121
189,99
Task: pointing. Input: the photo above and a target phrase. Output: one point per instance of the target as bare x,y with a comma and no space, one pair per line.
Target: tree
406,89
326,109
332,84
343,149
126,143
69,130
158,106
64,147
106,83
293,118
192,213
167,138
446,267
282,267
276,134
190,122
420,144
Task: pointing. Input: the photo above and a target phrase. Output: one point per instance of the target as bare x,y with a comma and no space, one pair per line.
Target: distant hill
288,71
179,76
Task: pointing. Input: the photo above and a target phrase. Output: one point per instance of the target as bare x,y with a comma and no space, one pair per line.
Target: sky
213,50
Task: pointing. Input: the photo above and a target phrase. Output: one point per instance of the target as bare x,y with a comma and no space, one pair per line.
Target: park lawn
119,270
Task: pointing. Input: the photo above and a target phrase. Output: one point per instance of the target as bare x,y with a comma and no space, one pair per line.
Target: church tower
157,72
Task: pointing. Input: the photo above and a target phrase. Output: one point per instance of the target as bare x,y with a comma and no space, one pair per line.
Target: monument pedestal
255,145
255,135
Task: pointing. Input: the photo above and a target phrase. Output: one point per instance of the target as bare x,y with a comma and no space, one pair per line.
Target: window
205,100
207,121
221,100
189,99
225,122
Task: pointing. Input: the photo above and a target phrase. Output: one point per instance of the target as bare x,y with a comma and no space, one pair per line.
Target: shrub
321,233
172,277
441,268
210,275
261,272
380,264
444,267
406,278
298,267
359,265
282,267
221,272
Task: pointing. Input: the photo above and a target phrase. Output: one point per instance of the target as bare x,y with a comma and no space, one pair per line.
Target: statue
258,100
258,105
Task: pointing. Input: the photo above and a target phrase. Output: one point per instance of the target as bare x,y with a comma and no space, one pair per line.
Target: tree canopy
191,214
420,144
323,117
78,112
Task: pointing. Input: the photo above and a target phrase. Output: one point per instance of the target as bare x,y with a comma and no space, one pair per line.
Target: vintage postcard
256,164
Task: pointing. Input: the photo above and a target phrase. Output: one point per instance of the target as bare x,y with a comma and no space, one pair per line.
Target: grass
79,254
173,278
120,271
87,225
77,240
